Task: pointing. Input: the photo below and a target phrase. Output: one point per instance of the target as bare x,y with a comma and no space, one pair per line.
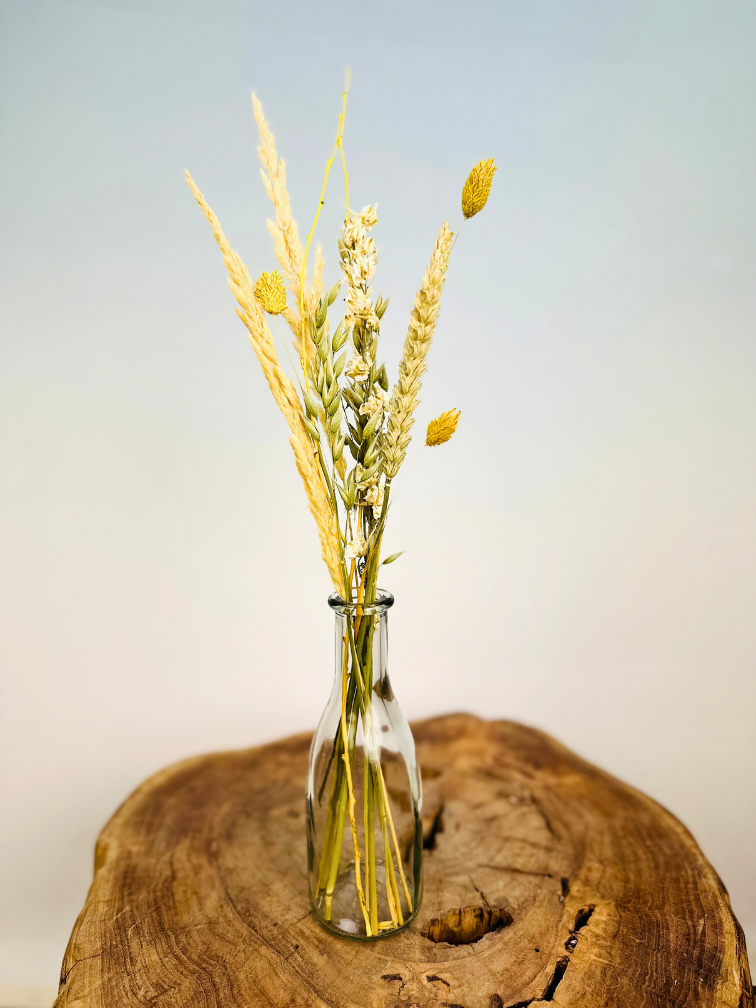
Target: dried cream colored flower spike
406,393
271,293
441,429
477,187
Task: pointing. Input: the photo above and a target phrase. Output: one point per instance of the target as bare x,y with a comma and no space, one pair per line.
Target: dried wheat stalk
406,392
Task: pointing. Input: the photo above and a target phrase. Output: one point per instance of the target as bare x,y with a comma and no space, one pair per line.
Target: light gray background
580,557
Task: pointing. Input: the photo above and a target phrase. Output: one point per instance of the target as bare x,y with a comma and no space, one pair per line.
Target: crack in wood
478,891
437,826
582,918
518,871
565,889
64,976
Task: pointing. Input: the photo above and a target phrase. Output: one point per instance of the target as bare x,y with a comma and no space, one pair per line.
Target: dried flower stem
350,789
358,415
302,273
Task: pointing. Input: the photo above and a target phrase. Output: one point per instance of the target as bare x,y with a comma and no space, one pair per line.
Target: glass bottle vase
364,792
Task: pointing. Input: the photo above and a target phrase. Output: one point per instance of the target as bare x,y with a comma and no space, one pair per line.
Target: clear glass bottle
365,841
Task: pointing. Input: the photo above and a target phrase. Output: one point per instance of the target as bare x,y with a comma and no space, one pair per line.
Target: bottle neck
361,644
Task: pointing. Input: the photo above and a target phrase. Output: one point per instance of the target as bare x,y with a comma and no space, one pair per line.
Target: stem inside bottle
364,832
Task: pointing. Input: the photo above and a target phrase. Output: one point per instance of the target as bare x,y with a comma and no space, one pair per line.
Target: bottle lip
383,601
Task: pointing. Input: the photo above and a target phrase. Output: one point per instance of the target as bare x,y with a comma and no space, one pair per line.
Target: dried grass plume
284,393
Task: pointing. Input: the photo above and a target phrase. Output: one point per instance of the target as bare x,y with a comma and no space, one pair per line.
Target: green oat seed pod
339,337
312,409
372,425
394,556
369,473
311,427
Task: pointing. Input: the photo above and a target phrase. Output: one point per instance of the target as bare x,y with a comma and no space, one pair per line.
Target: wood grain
546,880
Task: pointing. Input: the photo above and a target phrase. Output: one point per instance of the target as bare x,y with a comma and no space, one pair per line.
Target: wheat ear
405,394
284,393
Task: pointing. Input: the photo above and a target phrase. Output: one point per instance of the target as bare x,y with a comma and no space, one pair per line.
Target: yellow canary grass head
442,428
271,293
477,187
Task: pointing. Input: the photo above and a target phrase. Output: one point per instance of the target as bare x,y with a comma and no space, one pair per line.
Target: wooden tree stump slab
546,880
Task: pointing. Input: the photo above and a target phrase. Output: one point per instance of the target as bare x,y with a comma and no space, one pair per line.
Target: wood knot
465,925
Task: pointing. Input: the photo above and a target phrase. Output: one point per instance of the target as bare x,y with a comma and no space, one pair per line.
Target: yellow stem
392,892
350,789
303,272
384,793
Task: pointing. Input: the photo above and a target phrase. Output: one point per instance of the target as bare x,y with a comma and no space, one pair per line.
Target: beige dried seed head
442,428
271,293
477,187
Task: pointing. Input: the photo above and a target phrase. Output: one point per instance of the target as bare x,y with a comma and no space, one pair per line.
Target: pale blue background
580,557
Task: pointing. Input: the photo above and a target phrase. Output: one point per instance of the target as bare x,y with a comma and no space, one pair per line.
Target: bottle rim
383,601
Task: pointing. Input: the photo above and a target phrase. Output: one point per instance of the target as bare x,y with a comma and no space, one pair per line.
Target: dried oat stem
304,328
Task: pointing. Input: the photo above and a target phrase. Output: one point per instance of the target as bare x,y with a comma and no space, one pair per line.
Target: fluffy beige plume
317,278
286,244
288,247
405,395
284,393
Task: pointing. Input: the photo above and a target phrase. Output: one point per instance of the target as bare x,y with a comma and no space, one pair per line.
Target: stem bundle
344,404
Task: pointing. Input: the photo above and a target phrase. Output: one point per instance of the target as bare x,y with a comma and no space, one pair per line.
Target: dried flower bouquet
343,401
